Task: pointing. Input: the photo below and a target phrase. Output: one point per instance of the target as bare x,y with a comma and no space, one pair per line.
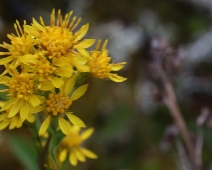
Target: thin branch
171,102
182,154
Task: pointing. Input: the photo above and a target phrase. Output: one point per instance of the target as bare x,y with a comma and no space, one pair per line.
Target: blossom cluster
42,65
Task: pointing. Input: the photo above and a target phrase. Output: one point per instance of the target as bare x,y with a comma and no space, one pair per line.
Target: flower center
21,86
20,45
99,65
57,41
71,140
57,104
45,70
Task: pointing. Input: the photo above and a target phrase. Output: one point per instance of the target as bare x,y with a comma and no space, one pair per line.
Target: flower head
15,121
21,88
50,74
20,50
58,41
71,146
99,63
57,105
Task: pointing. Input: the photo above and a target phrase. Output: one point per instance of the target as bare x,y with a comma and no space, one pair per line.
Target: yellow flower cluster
71,148
42,64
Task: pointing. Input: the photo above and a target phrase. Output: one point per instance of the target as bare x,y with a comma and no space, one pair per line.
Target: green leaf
3,95
24,152
55,141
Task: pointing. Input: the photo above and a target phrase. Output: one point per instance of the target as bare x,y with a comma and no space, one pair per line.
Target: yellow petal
81,32
65,72
3,116
80,155
13,123
45,125
63,155
15,108
116,78
34,100
24,111
39,26
87,133
4,124
69,85
75,120
31,118
28,58
73,159
79,92
64,126
80,60
118,66
84,52
62,61
37,109
85,43
57,82
6,60
2,103
31,30
81,68
4,79
88,153
9,103
46,86
19,123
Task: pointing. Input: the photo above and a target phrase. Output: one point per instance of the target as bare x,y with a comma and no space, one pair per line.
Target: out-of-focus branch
170,101
183,157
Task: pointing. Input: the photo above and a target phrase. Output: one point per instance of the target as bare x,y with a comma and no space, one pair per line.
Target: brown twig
170,101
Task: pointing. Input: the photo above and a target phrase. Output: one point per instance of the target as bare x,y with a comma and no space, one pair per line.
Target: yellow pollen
57,104
56,41
21,86
99,65
45,69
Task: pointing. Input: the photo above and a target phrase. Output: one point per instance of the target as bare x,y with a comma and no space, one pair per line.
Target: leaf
24,152
3,95
55,141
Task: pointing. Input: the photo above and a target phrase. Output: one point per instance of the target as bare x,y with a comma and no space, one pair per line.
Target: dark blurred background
129,118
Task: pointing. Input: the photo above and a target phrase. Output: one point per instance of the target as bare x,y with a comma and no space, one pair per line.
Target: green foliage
55,141
3,95
24,152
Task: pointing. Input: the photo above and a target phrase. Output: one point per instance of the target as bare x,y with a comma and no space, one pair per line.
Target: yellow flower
16,121
57,105
20,50
98,61
47,73
71,146
21,94
58,41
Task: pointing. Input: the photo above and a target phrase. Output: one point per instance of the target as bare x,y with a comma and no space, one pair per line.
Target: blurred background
133,128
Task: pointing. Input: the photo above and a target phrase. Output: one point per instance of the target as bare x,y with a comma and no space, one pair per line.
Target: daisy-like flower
57,105
21,94
71,146
16,121
58,41
21,49
47,73
100,65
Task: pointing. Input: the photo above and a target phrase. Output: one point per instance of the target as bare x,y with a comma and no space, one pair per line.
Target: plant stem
171,103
